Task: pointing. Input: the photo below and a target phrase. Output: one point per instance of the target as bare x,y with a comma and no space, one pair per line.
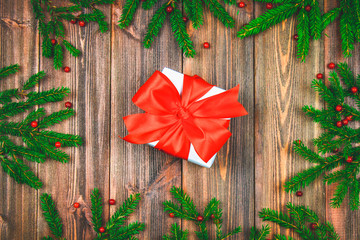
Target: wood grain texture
250,169
17,203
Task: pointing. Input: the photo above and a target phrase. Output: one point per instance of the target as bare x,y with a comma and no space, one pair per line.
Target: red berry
206,45
81,23
296,37
269,5
212,216
53,41
354,89
299,193
241,5
76,205
169,9
338,108
314,226
349,118
299,141
112,201
200,218
68,104
58,144
171,215
185,19
102,229
339,124
349,159
34,124
73,21
66,69
319,76
308,8
345,122
335,150
331,65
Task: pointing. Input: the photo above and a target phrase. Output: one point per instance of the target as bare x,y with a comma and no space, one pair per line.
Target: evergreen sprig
338,141
300,219
114,229
311,22
193,10
40,144
51,24
187,210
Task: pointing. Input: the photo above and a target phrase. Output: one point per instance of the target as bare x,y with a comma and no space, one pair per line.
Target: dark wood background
250,169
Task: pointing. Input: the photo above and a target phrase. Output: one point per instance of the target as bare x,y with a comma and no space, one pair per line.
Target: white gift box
178,80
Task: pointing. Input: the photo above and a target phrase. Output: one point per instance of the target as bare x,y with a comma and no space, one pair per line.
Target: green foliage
53,28
40,144
343,139
301,219
113,230
51,215
193,10
310,23
188,211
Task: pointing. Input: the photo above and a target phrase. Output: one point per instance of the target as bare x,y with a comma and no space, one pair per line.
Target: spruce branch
51,215
337,140
311,22
40,143
193,9
187,210
50,19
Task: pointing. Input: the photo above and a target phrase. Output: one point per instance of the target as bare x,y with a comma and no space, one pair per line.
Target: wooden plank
140,168
282,86
346,222
19,44
228,62
89,81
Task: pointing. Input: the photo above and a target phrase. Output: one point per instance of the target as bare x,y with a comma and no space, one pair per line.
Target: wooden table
250,169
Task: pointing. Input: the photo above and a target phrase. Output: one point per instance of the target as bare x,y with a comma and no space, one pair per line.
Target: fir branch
51,214
303,33
6,71
128,12
72,50
219,12
96,209
157,21
259,234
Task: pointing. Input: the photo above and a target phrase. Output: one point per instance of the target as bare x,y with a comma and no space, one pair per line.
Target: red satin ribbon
176,121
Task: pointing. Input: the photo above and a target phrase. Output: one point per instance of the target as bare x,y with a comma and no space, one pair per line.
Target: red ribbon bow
177,121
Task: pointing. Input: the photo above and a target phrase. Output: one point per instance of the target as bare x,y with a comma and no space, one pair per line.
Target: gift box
184,116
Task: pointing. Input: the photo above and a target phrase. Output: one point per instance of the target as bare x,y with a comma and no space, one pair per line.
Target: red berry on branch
319,76
73,21
338,108
169,9
241,5
212,216
335,150
53,41
296,37
58,144
66,69
82,23
76,205
339,124
200,218
349,159
345,122
269,5
171,215
112,201
299,193
314,226
349,118
102,229
34,124
68,104
185,19
206,45
308,8
354,89
331,65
